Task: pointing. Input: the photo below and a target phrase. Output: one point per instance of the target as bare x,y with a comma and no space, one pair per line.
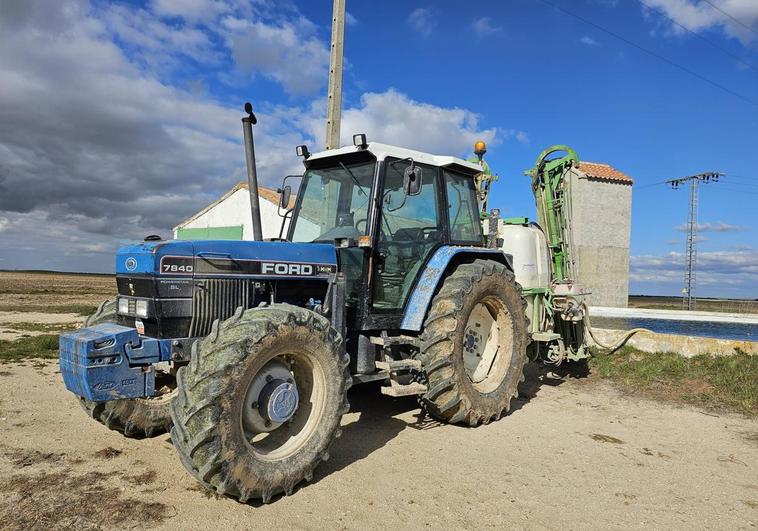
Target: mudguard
421,297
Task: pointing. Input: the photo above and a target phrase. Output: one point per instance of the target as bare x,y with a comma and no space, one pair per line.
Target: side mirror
284,196
412,178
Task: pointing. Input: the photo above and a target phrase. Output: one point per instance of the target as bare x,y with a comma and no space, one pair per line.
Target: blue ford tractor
245,350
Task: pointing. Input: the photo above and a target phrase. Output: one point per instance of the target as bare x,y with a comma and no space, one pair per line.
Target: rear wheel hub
278,400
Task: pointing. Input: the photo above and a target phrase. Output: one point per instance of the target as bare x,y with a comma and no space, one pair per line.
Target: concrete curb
687,346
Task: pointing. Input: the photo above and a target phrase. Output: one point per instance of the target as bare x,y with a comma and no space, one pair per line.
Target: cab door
409,229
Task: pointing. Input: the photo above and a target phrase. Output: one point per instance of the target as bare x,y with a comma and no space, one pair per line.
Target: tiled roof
266,194
605,172
269,194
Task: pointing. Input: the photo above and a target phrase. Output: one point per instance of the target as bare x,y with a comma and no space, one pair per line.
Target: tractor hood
221,258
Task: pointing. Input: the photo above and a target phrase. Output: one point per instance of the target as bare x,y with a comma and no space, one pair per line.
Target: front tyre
474,344
261,401
134,417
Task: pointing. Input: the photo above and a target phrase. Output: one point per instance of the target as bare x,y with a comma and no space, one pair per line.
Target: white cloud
719,226
719,273
423,21
131,151
350,20
698,15
192,10
589,41
281,52
127,153
483,27
158,42
393,118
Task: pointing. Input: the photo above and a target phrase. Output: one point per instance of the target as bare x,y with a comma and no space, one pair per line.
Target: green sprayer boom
552,195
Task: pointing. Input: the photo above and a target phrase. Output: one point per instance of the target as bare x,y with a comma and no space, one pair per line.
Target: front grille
218,299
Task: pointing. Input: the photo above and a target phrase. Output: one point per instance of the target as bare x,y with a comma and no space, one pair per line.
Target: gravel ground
574,454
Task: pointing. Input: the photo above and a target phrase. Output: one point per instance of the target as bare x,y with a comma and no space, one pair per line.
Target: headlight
123,306
140,308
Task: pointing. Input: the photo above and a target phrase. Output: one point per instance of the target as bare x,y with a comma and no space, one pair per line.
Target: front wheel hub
278,401
271,399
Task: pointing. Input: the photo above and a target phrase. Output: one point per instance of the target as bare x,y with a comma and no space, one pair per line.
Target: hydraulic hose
620,341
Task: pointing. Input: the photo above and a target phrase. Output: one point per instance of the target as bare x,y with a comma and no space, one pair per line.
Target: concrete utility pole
690,276
334,96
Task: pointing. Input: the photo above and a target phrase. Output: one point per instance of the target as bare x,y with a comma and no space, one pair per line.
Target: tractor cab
389,209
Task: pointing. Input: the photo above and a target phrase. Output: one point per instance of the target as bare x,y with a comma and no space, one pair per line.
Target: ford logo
130,264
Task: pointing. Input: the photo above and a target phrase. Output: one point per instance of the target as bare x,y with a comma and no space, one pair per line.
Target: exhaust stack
252,173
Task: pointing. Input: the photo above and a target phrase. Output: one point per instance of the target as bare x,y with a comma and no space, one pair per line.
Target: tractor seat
409,234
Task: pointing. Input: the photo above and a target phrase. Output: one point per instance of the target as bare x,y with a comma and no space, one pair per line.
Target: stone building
602,216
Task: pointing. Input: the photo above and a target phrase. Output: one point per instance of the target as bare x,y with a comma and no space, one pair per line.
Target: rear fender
444,260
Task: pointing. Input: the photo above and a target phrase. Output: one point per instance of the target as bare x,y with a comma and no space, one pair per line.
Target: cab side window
463,208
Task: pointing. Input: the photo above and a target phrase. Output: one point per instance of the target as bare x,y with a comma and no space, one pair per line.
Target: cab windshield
334,202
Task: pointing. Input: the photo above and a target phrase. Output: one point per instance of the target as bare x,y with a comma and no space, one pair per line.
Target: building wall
235,210
602,213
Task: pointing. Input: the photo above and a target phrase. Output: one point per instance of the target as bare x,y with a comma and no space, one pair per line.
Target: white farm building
229,217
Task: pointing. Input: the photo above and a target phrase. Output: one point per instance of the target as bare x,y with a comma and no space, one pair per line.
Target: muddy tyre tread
198,407
446,399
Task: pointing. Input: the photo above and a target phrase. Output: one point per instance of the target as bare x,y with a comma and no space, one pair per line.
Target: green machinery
543,258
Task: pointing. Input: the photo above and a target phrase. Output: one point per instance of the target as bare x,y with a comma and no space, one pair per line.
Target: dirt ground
574,454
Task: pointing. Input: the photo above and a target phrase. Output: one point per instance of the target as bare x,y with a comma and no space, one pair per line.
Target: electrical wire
649,185
730,16
736,190
650,52
700,36
739,183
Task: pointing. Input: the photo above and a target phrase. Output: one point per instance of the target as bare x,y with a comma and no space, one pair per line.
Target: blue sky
121,119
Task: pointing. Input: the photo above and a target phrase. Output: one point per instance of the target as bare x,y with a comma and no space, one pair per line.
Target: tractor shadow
378,421
538,375
376,425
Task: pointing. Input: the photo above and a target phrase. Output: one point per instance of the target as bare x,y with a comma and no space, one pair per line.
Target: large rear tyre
474,344
134,417
261,401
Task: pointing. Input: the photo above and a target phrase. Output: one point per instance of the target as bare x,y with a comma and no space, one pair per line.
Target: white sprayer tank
528,247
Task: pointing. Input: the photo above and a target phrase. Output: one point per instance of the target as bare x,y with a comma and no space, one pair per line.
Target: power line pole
690,275
334,95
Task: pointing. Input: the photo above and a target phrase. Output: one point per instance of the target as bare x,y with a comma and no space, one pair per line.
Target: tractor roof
382,151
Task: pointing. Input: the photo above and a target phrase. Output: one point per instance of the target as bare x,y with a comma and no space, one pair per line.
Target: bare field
574,453
49,292
705,305
42,303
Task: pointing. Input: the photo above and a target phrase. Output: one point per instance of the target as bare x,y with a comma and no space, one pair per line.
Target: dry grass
52,494
44,346
65,500
723,382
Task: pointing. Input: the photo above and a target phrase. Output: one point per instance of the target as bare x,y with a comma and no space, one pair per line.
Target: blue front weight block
110,362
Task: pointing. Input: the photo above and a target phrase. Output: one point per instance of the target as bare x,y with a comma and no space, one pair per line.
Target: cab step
395,389
399,365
